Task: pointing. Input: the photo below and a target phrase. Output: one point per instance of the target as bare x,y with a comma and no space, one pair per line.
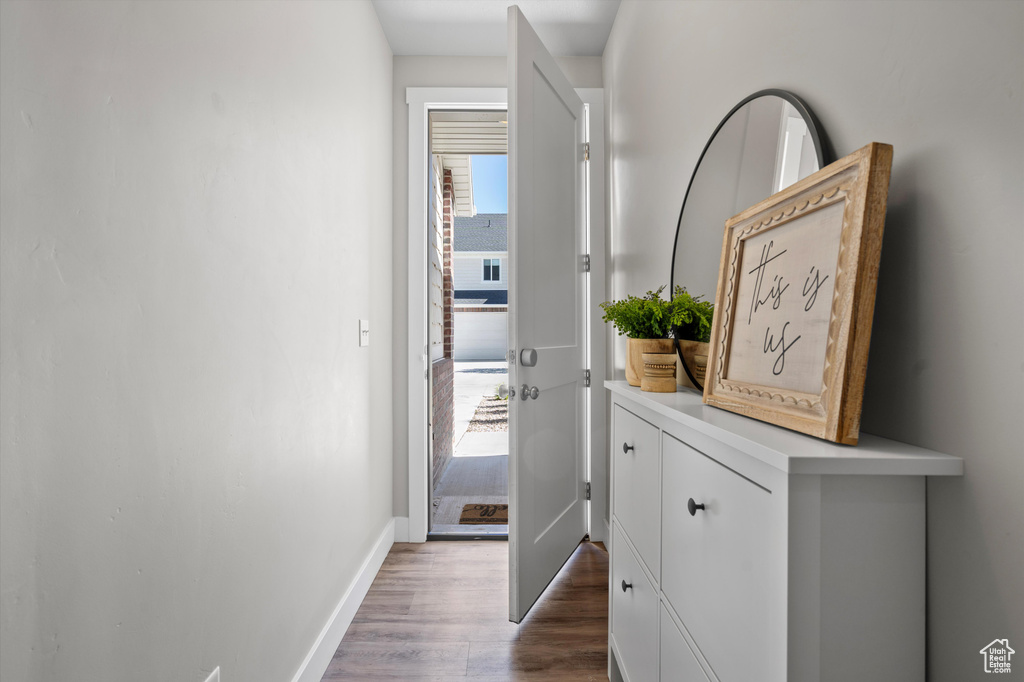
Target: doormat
484,513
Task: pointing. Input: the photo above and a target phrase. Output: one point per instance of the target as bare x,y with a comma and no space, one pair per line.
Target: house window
492,269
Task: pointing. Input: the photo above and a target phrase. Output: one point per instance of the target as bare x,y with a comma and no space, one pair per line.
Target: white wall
196,210
942,83
583,72
468,271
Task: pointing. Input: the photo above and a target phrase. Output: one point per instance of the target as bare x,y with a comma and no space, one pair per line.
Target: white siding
435,252
480,336
469,270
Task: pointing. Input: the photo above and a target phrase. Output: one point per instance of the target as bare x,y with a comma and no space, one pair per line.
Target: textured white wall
196,210
943,82
484,72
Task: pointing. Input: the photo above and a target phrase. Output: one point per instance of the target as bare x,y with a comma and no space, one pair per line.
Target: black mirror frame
822,148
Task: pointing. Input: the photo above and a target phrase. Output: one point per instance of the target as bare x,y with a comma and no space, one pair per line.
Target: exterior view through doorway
467,317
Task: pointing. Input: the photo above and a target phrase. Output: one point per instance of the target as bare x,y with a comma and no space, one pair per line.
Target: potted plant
646,323
691,327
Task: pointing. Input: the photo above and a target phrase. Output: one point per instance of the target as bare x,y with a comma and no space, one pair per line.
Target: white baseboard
401,529
320,655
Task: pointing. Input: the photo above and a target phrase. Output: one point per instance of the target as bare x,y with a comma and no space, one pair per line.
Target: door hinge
586,262
588,490
586,378
586,151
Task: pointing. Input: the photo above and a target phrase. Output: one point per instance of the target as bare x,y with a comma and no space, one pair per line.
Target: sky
490,183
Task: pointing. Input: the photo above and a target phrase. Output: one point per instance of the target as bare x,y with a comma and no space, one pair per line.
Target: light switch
364,332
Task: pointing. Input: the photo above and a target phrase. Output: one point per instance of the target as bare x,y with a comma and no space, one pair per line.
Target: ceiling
476,28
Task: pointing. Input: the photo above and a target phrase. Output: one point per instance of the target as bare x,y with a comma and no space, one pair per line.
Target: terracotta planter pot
635,349
696,354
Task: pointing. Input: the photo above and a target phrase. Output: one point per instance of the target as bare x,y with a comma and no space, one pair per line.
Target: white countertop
789,451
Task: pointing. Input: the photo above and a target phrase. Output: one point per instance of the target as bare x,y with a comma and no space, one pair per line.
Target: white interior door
546,223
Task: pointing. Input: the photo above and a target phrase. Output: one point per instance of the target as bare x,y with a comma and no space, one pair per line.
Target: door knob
503,391
692,507
626,586
528,392
534,392
626,448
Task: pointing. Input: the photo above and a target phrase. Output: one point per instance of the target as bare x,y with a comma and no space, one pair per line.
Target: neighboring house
480,272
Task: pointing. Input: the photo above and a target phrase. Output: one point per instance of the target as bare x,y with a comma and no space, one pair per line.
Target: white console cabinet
743,552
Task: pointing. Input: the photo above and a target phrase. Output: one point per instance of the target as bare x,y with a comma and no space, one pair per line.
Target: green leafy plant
651,317
691,317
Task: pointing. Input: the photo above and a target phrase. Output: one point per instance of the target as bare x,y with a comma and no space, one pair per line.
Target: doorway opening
421,102
467,317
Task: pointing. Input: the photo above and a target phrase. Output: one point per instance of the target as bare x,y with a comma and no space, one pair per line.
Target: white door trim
421,101
597,421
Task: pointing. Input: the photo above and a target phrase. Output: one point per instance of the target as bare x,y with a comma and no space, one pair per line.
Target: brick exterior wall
443,401
449,251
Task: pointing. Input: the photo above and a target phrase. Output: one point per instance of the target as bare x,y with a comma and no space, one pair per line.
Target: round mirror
765,144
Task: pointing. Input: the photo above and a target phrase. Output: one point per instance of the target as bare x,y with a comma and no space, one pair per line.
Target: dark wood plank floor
439,611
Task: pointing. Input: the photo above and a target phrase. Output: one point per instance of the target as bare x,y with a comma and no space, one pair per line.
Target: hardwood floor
439,611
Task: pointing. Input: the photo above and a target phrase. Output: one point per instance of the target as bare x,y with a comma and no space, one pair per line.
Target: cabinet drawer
678,663
634,617
637,488
718,561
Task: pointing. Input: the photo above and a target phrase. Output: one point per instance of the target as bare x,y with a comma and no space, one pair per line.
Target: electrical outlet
364,332
214,676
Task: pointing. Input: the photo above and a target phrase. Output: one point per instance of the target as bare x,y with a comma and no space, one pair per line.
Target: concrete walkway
482,444
474,381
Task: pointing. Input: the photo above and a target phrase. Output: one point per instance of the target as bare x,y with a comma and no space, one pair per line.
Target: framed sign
796,297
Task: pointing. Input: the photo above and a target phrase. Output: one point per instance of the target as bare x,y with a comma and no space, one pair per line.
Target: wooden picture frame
796,297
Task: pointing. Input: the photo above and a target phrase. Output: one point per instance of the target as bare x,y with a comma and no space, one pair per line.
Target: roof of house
482,232
481,297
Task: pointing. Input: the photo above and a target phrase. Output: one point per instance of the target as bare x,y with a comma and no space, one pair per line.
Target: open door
546,228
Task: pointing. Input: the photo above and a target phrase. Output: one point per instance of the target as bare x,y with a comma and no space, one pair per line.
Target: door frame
421,101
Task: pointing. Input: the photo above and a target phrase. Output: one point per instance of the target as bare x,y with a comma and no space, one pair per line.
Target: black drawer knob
693,507
626,586
626,448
